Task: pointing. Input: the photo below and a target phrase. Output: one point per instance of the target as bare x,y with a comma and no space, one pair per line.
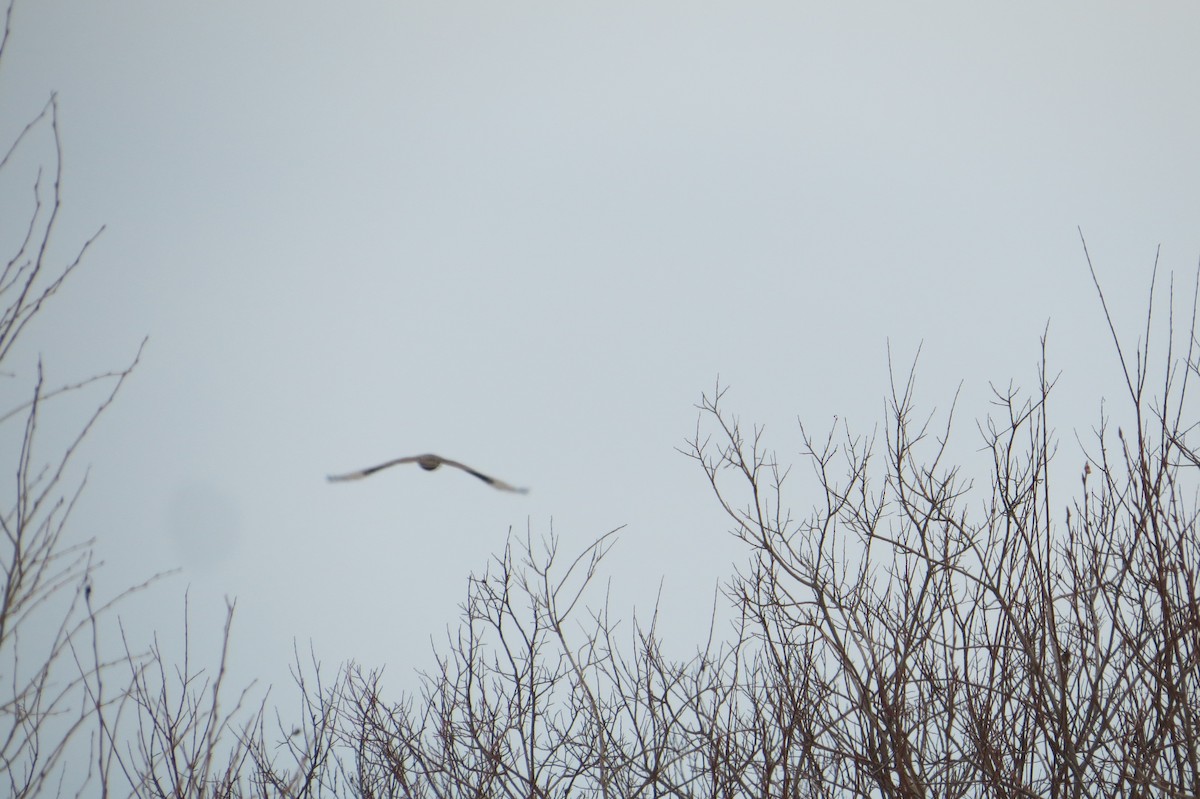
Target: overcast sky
529,236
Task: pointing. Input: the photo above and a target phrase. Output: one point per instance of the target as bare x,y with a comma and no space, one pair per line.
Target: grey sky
529,235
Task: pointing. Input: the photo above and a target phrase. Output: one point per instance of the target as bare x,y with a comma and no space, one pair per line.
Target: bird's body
428,462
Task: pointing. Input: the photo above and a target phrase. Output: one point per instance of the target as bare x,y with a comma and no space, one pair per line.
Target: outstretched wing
492,481
337,478
436,460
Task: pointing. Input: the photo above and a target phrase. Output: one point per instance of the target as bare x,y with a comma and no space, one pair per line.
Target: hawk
428,462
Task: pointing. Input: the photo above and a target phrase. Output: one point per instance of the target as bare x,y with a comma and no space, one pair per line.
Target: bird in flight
428,462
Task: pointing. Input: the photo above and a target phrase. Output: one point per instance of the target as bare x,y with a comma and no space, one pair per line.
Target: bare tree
919,645
175,737
51,674
909,635
512,707
78,716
